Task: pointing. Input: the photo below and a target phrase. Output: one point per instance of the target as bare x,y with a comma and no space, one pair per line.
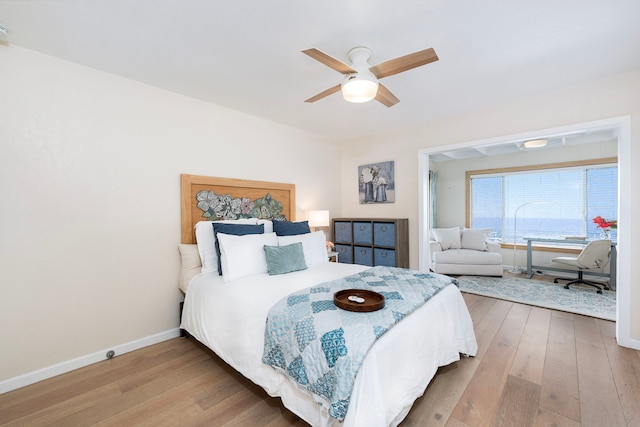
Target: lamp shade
318,218
359,87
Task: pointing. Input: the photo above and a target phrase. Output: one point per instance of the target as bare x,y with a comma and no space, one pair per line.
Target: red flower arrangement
605,224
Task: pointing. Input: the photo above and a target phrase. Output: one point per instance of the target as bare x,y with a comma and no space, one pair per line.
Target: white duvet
229,318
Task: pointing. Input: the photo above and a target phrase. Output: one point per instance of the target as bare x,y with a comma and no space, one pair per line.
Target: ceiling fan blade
404,63
385,96
327,92
329,61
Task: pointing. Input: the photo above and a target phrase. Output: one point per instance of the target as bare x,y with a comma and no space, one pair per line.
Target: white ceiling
245,54
509,147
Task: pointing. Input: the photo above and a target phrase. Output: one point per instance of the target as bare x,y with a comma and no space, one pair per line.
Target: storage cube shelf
368,241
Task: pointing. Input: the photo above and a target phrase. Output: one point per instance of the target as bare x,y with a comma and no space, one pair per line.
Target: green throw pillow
285,259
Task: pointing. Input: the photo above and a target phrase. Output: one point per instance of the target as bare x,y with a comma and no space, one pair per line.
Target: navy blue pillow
288,228
236,230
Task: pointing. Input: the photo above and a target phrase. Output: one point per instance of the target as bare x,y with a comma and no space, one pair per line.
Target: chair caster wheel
555,280
566,286
599,291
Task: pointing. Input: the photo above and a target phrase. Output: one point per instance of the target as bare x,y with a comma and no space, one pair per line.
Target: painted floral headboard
207,198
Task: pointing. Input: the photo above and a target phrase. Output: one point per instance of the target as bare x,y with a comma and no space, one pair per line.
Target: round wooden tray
372,300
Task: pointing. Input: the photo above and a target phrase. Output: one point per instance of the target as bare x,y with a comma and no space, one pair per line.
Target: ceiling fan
360,83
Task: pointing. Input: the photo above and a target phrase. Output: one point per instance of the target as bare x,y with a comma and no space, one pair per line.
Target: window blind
544,203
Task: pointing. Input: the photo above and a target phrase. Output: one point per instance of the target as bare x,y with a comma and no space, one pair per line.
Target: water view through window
549,203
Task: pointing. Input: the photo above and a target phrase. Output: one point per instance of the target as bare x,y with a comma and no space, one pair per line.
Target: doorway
622,127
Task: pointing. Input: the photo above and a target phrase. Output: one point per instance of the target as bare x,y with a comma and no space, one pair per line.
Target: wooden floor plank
105,409
184,412
479,402
138,414
490,324
598,395
227,410
559,391
67,407
74,384
528,363
546,418
286,419
518,404
435,407
91,374
143,374
263,410
478,306
452,422
625,366
180,382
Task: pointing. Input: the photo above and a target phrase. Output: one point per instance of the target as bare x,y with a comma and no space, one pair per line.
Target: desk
612,262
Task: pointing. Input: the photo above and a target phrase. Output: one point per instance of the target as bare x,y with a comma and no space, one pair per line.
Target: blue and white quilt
322,347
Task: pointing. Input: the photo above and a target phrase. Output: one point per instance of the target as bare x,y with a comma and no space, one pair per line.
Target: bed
227,313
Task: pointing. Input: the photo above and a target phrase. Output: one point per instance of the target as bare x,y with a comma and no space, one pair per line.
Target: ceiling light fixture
536,143
359,87
363,85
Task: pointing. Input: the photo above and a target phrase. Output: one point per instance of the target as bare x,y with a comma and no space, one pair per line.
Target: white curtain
433,213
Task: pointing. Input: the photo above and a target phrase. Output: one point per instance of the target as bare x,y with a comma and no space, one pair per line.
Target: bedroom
90,187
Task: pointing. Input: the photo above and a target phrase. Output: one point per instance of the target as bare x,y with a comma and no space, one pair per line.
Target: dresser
372,241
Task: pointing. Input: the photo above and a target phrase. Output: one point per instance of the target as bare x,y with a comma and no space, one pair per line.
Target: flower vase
605,234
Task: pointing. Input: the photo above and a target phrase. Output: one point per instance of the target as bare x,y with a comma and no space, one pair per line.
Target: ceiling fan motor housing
363,85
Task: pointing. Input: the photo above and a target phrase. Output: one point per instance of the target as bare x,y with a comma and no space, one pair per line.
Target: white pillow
189,265
313,246
207,243
268,225
449,238
244,255
475,238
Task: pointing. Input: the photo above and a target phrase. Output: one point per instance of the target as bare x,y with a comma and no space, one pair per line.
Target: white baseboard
70,365
629,343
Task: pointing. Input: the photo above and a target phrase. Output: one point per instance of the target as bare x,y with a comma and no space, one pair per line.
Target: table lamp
318,219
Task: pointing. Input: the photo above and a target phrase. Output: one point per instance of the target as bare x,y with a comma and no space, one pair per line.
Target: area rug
543,294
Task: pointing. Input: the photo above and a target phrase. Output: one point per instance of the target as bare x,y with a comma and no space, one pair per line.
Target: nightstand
333,256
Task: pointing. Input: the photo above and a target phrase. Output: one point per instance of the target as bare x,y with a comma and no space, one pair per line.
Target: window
545,201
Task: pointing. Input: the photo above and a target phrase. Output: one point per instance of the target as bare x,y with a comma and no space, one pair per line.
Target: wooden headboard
231,189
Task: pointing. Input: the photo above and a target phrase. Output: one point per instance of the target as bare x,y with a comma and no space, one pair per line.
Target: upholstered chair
595,255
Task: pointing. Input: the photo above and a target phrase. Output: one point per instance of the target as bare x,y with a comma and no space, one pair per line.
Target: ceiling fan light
359,87
535,143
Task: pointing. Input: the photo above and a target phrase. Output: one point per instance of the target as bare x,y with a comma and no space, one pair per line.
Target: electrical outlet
546,260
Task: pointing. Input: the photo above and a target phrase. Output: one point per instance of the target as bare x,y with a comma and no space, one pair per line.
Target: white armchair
464,252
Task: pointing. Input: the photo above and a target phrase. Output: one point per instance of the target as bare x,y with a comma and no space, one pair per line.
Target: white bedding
229,318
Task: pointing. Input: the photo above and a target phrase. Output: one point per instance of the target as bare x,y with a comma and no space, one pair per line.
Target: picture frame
376,183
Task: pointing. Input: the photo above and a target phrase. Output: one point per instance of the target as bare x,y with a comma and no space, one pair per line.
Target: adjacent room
557,201
225,213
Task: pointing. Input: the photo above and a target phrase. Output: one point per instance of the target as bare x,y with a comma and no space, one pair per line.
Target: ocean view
539,227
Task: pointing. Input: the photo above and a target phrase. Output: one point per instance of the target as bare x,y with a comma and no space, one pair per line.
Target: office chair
594,256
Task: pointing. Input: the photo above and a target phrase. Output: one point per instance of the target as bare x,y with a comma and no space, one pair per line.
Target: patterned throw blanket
321,347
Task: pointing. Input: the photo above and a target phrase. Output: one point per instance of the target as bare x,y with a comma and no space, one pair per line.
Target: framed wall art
376,183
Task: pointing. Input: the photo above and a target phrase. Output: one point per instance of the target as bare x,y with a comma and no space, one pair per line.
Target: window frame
527,168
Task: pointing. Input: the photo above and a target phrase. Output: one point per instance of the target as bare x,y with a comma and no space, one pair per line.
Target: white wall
613,97
90,168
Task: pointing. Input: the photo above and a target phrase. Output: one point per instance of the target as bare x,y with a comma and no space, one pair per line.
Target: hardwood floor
534,367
